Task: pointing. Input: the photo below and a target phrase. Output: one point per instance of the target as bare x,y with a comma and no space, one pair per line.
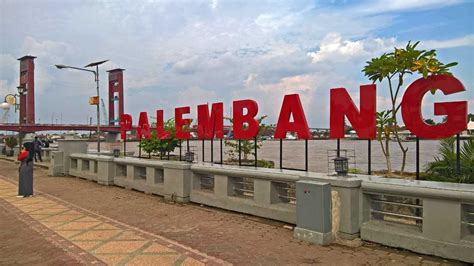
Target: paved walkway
92,238
71,220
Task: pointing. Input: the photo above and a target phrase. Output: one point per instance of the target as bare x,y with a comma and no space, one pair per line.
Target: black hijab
30,147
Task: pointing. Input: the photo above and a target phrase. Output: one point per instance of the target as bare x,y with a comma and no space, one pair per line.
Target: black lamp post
341,165
96,79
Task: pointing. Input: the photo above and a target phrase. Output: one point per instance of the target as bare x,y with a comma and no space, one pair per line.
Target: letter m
208,126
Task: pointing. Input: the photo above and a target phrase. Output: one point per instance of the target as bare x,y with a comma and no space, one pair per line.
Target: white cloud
270,95
8,67
467,40
273,22
192,52
380,6
194,96
334,48
250,81
46,49
214,4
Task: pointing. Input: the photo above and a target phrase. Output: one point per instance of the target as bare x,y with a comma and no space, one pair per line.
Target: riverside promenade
71,221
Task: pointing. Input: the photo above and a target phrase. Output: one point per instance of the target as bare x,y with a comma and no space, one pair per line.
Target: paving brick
236,238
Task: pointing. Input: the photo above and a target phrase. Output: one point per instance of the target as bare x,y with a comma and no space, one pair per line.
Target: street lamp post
22,90
96,78
7,103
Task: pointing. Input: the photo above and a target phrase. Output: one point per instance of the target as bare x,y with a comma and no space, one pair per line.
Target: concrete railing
46,153
261,192
427,217
142,175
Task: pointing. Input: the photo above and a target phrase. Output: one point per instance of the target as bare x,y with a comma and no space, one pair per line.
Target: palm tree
444,167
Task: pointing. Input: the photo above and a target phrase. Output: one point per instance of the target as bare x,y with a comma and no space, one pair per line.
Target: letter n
362,121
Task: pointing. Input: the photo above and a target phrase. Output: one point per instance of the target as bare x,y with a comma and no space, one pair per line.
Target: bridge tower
116,96
27,80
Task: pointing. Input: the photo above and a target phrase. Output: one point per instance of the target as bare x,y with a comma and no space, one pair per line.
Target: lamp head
5,106
60,66
341,165
22,90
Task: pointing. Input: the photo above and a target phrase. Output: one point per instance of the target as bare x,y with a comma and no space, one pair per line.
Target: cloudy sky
191,52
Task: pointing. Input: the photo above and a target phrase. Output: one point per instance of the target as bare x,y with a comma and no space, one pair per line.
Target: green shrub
444,167
154,145
265,164
11,142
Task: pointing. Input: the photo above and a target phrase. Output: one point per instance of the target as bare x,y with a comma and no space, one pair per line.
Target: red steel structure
116,96
31,128
27,80
27,122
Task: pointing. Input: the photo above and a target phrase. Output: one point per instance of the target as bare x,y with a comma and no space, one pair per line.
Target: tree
247,146
384,130
161,146
11,142
470,117
394,67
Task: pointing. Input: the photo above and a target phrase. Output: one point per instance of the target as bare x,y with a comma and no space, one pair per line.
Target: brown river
320,153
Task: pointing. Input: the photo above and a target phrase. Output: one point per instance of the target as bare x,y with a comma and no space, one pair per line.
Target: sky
185,53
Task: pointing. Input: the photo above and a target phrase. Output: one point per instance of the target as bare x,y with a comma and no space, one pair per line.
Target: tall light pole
7,102
96,78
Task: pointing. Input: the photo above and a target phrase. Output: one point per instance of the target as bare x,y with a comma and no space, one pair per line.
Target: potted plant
11,143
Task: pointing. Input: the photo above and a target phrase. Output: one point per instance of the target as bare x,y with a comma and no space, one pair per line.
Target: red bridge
27,103
31,128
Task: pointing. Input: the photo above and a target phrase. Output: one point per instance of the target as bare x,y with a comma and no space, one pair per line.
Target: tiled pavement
94,239
236,238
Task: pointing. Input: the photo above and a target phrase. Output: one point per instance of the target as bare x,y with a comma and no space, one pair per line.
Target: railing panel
285,192
396,209
242,187
139,173
206,183
159,176
467,222
73,163
121,170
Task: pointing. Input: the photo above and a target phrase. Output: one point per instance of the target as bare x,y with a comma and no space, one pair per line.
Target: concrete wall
265,201
447,216
444,227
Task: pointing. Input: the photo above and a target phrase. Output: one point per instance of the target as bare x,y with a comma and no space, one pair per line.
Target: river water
320,153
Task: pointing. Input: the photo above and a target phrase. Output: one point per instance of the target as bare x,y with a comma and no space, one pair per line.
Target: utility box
313,212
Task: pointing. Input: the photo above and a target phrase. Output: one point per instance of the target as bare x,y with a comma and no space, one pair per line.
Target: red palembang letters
160,132
208,126
245,126
363,120
456,112
125,125
342,105
143,128
180,122
292,107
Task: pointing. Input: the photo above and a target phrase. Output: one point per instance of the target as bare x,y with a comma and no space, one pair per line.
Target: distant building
470,127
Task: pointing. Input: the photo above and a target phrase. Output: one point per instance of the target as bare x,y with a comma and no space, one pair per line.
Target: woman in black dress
25,182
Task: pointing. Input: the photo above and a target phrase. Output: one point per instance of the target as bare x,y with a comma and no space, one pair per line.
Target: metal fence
219,157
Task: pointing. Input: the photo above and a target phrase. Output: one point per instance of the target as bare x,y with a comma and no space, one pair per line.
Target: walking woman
25,182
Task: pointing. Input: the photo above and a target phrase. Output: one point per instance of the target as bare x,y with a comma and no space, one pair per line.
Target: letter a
292,106
143,128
